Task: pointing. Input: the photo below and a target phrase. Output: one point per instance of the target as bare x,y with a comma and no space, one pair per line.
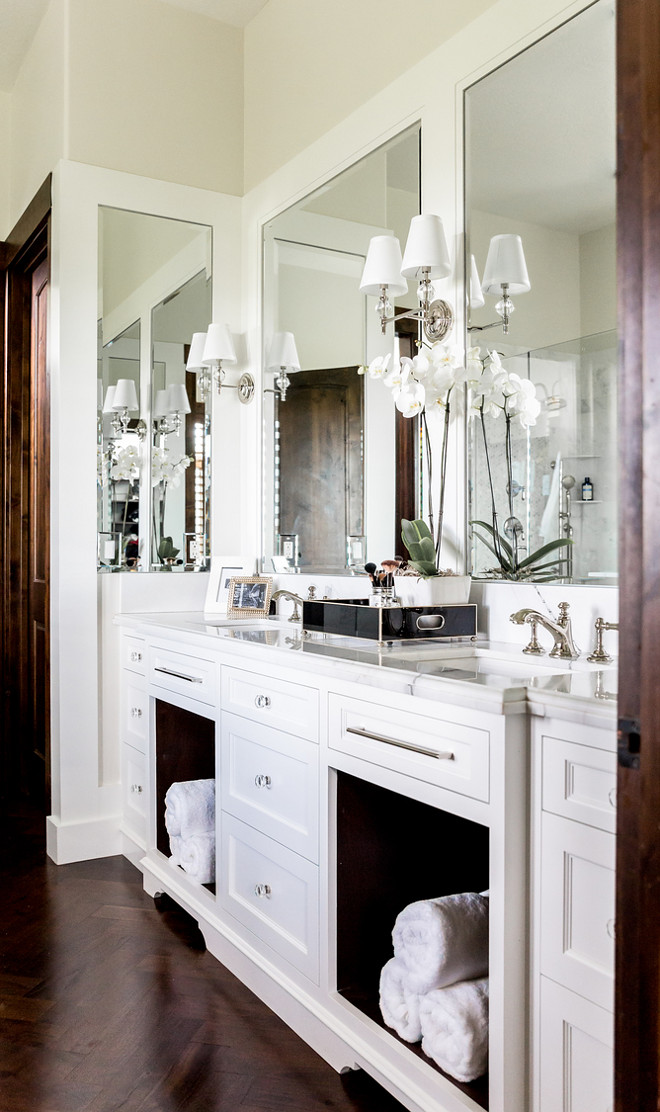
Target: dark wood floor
108,1004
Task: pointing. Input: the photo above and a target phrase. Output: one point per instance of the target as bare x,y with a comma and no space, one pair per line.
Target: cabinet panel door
579,782
272,891
134,792
577,907
135,712
270,780
134,654
576,1055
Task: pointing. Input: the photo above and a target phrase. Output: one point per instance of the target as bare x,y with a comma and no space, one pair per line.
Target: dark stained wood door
637,1033
38,631
321,490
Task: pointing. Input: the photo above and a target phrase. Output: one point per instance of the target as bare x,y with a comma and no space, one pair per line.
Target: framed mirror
154,444
330,434
540,163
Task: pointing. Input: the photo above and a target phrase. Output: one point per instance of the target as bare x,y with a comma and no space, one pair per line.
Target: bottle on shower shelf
587,490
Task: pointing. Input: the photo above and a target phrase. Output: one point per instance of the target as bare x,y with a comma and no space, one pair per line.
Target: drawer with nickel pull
284,705
134,792
448,754
271,781
135,713
192,676
134,654
272,891
579,782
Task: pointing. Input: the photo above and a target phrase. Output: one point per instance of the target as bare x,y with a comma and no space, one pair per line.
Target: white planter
440,590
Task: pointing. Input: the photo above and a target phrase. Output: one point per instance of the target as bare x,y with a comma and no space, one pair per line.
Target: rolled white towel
454,1024
399,1007
175,848
443,941
190,807
196,856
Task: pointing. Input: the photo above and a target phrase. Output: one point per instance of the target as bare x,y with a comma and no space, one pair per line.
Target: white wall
5,144
598,280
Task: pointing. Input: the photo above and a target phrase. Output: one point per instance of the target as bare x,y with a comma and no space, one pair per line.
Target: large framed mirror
329,480
154,442
540,157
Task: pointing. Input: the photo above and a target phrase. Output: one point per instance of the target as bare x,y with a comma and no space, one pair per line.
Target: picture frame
223,568
249,596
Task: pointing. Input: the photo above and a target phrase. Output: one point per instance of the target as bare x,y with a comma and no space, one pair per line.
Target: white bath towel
443,941
175,848
197,857
399,1007
455,1028
190,807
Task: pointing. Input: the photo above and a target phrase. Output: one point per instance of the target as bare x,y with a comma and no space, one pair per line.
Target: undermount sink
486,660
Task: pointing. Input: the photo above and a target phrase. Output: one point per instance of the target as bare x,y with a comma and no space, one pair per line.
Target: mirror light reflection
540,162
154,453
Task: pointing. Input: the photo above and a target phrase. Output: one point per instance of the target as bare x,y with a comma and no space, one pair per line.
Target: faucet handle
311,593
534,648
563,613
599,656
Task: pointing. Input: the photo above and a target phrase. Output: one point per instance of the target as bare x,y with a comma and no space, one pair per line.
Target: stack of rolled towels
190,823
435,988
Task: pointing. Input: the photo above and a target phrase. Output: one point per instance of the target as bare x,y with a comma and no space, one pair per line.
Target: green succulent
166,549
418,539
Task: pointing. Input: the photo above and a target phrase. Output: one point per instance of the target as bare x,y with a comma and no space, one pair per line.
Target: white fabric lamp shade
177,398
160,404
125,396
505,265
426,246
109,399
219,346
196,353
283,352
382,267
477,300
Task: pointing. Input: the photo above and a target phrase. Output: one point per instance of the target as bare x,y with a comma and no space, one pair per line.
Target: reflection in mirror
330,442
154,292
539,163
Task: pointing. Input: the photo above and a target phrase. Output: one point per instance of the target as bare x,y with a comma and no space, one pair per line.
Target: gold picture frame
249,596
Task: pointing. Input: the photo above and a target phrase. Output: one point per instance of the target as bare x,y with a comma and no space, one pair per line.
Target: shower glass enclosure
573,440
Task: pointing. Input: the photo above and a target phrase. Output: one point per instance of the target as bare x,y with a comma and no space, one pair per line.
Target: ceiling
19,20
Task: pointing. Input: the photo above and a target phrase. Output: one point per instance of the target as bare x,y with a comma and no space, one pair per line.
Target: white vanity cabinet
574,813
345,791
134,739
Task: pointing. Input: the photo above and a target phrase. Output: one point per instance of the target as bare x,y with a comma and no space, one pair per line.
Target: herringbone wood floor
108,1004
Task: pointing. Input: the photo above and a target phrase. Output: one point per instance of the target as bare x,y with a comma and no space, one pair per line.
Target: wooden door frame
637,1086
26,246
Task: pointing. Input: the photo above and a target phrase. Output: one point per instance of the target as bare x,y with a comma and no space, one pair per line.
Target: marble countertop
494,675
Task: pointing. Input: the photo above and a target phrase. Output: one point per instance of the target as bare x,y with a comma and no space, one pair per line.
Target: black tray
356,618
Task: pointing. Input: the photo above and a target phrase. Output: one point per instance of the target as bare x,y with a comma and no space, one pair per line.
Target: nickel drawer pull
178,675
262,701
400,744
262,780
262,890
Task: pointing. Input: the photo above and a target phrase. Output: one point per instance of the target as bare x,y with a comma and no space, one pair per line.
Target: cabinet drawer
444,753
273,892
270,780
134,792
187,675
579,782
278,703
576,1053
134,654
135,713
577,907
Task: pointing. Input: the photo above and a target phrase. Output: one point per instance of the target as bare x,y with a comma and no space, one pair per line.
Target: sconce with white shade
426,257
170,406
283,357
208,351
121,400
505,274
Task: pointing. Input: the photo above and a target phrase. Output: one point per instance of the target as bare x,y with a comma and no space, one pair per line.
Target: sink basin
482,660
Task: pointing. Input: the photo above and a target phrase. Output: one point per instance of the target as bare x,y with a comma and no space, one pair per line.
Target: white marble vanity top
494,675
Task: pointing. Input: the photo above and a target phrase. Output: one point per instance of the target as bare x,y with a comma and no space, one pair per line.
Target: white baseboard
82,841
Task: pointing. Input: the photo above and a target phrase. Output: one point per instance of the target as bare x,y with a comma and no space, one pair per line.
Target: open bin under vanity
392,851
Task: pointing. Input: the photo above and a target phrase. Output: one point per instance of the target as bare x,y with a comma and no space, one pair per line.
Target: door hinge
629,742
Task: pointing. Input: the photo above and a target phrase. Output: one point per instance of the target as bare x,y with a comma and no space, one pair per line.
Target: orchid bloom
410,399
398,376
378,366
521,400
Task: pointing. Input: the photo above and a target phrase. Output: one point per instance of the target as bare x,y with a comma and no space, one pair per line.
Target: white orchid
378,366
166,470
398,376
521,400
125,462
410,399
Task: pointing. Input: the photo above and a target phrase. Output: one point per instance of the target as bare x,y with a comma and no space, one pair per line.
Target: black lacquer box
356,618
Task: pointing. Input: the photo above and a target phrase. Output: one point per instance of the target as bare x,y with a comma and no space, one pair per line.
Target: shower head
568,482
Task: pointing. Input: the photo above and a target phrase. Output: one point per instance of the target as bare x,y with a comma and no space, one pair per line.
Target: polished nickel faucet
295,599
561,631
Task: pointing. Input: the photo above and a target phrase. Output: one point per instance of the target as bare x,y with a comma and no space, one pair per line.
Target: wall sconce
169,405
283,357
208,350
505,274
121,400
426,257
